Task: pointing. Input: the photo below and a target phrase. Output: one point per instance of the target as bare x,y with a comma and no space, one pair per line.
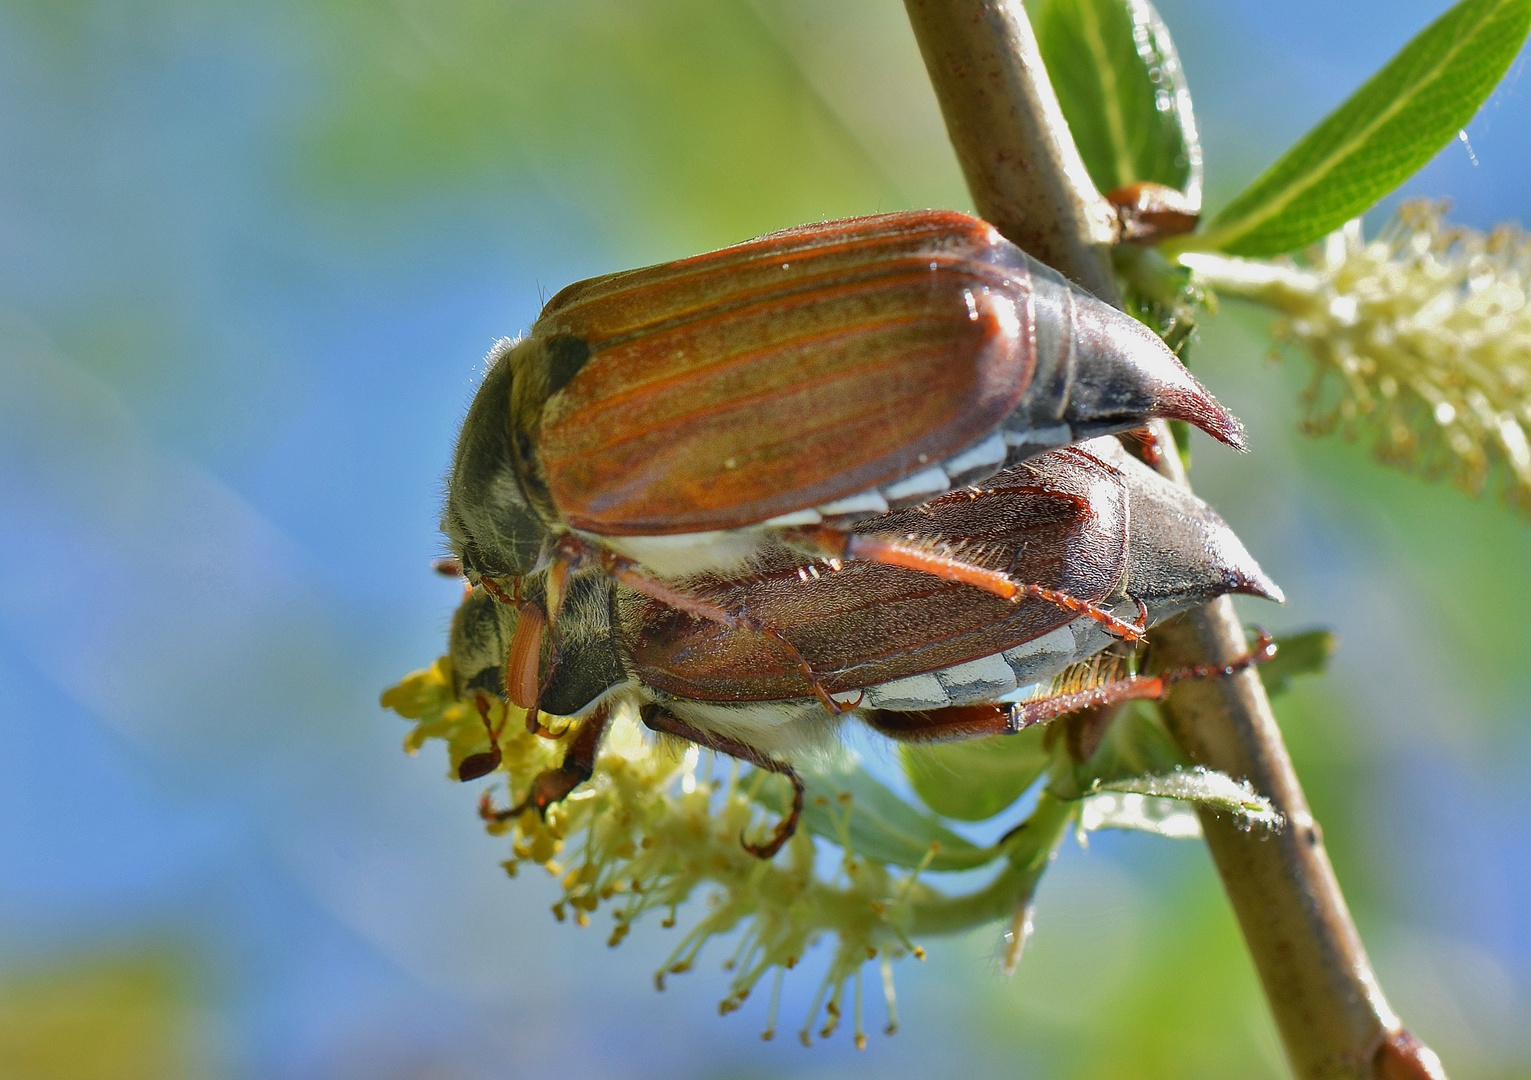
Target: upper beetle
672,417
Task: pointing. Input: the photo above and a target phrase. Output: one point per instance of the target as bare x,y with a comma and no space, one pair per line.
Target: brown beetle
1147,213
683,418
914,656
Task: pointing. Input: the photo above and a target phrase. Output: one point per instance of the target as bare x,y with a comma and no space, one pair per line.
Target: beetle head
579,660
494,529
478,646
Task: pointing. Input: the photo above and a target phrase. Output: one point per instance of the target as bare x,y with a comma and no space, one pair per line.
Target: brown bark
1026,178
1008,131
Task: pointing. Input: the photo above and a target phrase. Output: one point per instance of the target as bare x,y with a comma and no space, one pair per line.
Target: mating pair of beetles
857,468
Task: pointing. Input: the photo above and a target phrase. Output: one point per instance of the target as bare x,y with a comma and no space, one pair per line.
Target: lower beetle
914,656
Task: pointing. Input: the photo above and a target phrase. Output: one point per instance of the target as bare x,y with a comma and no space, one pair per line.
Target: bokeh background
252,255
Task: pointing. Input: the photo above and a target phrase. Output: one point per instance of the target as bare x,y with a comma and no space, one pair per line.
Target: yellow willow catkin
1421,342
646,834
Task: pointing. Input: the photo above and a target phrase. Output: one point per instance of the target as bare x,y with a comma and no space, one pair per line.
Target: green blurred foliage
678,125
1149,984
686,119
973,781
101,1017
1380,136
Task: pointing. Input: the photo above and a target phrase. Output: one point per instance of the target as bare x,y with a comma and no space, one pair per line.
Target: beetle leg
656,718
626,571
556,588
525,656
976,721
1264,649
496,590
1148,213
554,785
941,725
1025,714
835,544
481,764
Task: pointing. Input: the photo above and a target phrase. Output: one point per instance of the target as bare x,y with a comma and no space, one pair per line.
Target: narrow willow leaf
1204,788
1141,813
972,781
1136,745
1123,91
1307,653
1373,142
855,809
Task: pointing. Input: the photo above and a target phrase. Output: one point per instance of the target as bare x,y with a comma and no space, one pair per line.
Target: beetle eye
476,567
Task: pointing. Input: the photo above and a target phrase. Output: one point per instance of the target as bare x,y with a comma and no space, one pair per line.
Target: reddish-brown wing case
1060,521
789,371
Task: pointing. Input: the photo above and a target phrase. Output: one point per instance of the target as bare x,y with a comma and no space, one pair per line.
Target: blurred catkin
1420,339
646,834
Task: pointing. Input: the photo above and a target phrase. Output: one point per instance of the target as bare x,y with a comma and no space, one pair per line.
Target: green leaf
1374,141
1141,813
1204,788
973,781
1307,653
1028,852
1123,91
853,808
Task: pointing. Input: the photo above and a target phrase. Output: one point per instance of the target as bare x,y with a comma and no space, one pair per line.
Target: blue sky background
250,258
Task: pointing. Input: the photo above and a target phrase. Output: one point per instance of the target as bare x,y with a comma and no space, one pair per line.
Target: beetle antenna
553,785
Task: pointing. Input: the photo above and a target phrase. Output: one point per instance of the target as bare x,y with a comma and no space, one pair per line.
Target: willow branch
1008,131
1027,179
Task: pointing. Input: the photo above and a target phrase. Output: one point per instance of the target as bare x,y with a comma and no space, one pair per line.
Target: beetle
914,656
680,419
1147,213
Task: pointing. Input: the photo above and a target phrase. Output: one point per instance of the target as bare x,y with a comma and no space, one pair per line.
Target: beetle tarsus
1264,648
785,828
1127,631
833,707
535,726
658,719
